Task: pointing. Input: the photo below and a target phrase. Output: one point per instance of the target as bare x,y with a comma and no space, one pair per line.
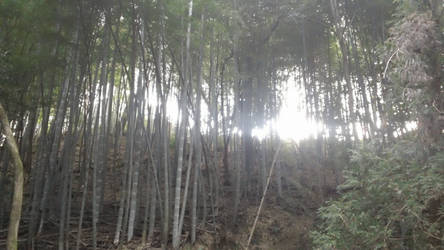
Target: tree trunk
180,138
16,208
187,183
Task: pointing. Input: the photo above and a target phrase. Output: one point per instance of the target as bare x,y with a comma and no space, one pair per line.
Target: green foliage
393,198
390,200
414,40
25,51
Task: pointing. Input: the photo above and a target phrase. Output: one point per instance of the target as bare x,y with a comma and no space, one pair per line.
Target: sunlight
292,123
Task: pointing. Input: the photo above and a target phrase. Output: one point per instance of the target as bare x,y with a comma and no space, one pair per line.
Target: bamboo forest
221,124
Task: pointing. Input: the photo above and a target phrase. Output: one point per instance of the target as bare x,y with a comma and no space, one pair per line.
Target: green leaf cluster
391,199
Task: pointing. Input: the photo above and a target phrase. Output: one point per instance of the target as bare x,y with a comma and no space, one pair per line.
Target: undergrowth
391,199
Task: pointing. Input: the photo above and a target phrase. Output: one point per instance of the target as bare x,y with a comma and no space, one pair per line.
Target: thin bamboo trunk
16,207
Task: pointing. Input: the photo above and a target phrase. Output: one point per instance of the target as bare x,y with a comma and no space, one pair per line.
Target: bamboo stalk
263,196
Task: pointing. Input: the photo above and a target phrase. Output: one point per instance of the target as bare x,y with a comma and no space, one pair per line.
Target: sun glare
291,123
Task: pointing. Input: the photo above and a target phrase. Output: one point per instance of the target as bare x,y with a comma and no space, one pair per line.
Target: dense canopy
133,123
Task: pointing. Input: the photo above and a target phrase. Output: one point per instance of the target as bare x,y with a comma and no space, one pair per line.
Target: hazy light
292,122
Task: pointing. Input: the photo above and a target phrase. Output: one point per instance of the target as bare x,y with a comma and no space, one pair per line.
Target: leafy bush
392,199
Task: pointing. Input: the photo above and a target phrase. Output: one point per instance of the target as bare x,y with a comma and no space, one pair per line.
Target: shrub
392,199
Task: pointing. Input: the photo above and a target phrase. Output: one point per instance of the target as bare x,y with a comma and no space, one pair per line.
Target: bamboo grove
89,86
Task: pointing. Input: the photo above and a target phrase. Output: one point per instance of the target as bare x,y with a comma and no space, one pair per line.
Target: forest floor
284,223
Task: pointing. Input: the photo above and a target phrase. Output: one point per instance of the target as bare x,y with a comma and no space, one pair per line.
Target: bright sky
291,123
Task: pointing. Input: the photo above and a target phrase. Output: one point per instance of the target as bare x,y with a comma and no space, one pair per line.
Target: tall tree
16,208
